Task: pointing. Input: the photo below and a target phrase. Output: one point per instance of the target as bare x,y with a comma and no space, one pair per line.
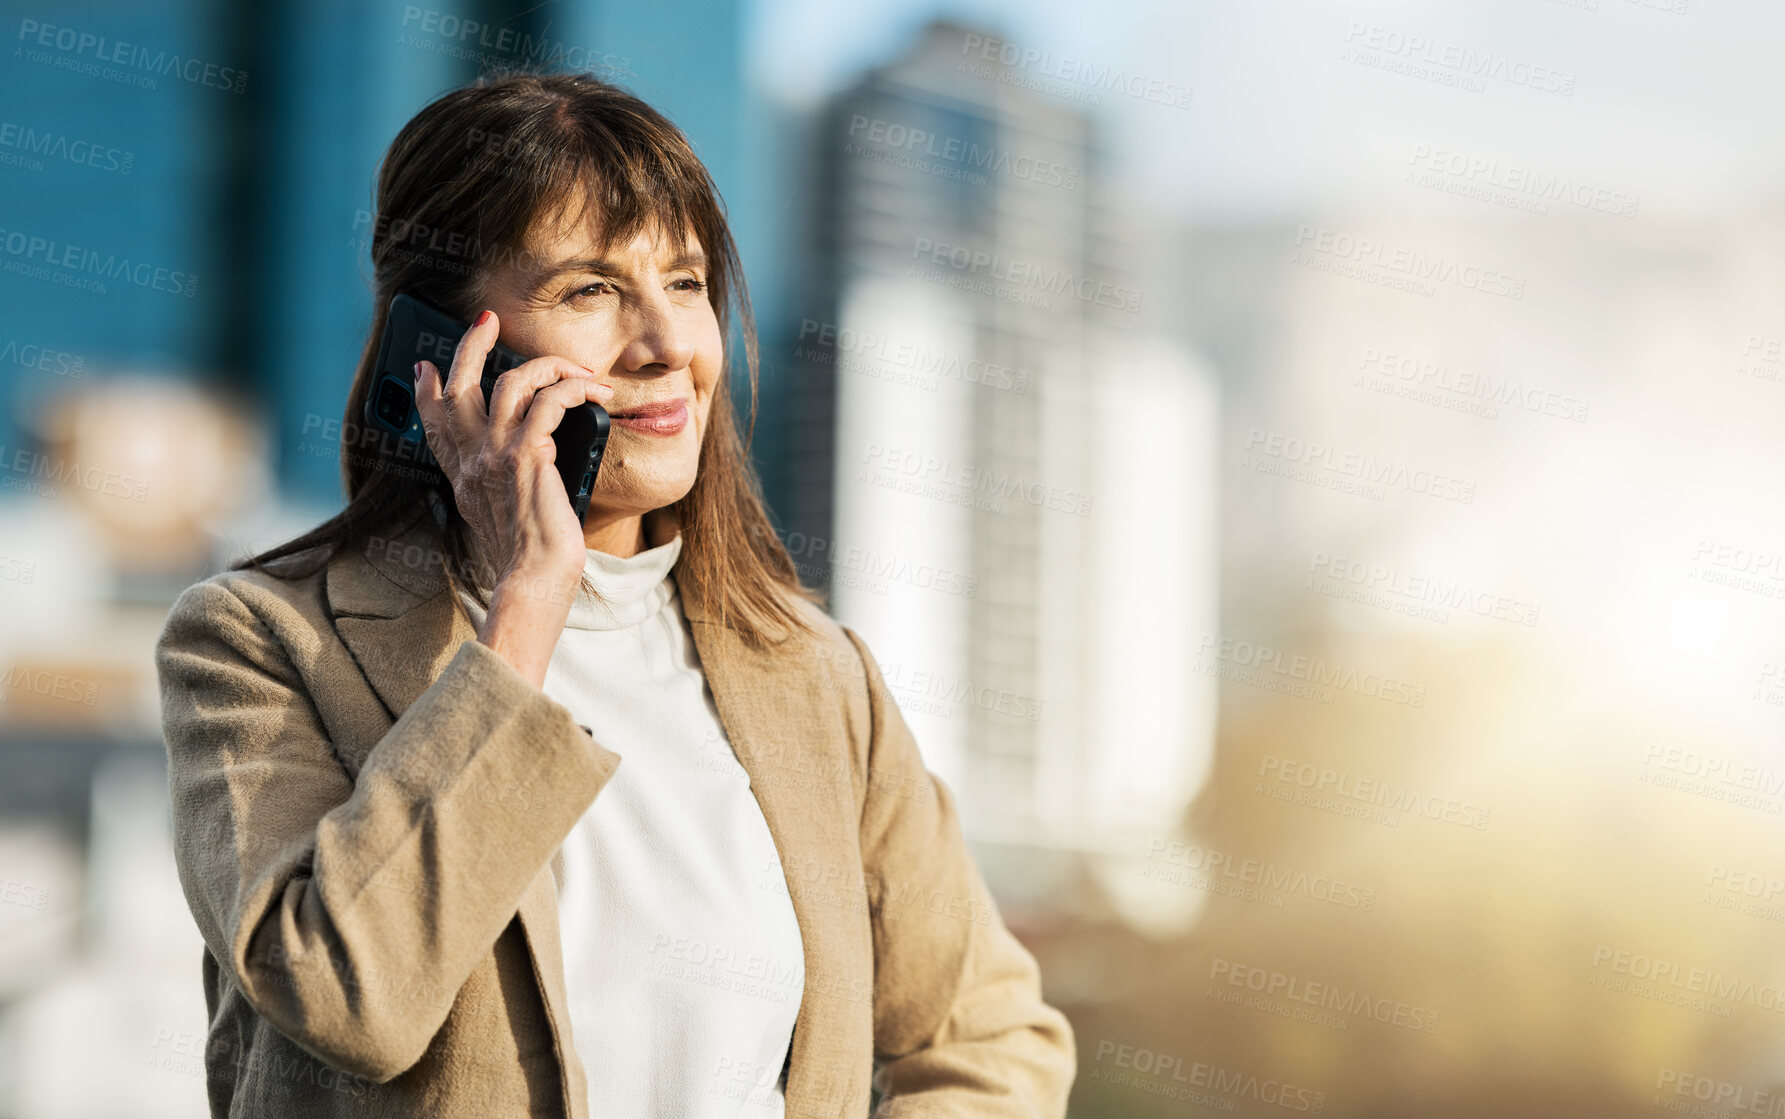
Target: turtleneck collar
632,588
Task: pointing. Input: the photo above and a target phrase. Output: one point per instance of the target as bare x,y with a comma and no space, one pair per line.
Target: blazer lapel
390,606
402,655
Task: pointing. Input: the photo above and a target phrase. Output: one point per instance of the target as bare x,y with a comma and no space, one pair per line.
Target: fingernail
481,319
418,369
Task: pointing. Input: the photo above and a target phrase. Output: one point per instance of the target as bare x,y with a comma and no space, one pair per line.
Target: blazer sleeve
350,911
960,1028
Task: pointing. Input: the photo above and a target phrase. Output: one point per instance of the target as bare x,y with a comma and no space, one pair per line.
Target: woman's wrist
525,619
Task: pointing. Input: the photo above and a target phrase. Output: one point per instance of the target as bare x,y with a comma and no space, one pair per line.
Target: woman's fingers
550,403
511,397
461,396
433,417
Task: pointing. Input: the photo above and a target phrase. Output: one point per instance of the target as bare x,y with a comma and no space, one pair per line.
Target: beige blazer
366,801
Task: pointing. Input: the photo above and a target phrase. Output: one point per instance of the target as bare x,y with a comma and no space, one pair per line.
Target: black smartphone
416,331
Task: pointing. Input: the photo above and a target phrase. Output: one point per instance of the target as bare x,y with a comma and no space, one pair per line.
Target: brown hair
459,191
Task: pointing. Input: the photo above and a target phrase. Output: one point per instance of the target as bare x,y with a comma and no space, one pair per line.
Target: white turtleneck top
682,958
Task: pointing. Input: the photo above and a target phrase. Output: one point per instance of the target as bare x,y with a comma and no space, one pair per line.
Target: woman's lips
655,423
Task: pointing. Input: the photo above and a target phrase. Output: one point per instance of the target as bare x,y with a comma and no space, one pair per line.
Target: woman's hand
501,463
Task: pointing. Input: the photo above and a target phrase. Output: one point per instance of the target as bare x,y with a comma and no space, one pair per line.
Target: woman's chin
634,501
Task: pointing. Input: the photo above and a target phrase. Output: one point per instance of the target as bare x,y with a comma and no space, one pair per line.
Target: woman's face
640,318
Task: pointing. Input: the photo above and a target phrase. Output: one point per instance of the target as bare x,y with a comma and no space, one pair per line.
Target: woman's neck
627,534
622,536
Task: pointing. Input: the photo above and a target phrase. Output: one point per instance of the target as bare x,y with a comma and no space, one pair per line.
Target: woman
485,811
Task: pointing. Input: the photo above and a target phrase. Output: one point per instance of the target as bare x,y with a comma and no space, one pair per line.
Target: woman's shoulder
249,603
305,587
831,646
816,639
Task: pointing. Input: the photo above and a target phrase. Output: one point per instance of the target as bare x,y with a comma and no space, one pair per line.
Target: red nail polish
481,319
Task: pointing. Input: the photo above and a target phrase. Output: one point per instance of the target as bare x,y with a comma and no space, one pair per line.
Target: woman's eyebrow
694,259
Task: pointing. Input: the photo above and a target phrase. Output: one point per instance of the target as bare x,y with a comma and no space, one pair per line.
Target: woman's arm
959,1021
351,911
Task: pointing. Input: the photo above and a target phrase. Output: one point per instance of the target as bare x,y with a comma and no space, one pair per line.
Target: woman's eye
590,290
692,285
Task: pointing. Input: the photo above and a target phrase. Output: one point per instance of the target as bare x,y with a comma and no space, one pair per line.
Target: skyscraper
1005,480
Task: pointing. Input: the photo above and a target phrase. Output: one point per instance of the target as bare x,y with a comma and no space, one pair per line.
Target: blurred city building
1005,477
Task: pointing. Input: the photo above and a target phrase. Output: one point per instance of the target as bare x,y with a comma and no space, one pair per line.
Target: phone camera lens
393,402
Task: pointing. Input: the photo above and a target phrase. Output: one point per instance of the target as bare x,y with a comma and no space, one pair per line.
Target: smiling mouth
664,417
654,408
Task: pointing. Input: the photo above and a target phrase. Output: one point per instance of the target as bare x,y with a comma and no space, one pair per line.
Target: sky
1679,107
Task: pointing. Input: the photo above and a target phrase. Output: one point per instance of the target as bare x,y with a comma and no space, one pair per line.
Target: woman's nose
659,337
